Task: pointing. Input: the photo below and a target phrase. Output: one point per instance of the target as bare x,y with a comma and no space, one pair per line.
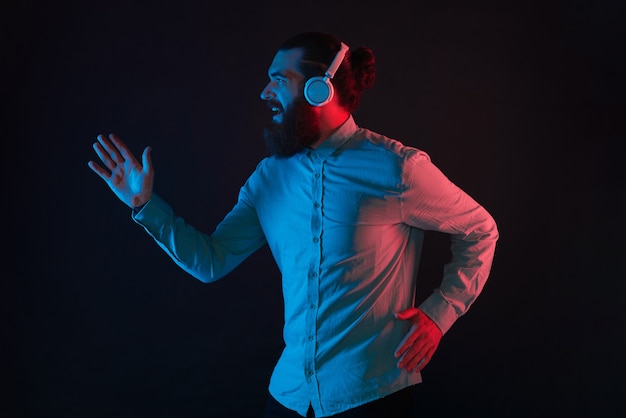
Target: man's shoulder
374,141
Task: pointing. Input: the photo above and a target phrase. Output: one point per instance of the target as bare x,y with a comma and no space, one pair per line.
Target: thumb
407,313
146,159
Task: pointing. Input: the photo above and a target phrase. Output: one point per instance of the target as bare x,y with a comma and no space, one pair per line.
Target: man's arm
207,257
434,203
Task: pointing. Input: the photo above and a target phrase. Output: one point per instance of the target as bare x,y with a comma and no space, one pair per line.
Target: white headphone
319,90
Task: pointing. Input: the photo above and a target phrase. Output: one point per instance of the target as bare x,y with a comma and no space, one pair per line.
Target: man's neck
330,120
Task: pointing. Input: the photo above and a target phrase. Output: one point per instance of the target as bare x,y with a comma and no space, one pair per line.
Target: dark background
520,103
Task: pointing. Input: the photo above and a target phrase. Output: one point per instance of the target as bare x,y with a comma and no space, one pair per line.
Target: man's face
295,123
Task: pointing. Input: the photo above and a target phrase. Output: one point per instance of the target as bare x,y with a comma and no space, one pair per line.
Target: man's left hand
419,345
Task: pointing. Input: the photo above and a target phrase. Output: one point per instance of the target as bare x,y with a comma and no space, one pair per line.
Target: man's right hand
130,181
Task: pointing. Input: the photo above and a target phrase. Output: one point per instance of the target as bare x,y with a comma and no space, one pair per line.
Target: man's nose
267,93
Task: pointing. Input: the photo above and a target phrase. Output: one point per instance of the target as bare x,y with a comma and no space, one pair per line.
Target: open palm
131,181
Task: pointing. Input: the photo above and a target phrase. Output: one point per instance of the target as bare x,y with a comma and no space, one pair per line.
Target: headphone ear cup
318,91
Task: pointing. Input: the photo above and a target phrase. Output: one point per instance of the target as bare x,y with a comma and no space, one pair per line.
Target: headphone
319,90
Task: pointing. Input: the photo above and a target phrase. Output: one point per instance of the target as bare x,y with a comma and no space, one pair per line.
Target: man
343,211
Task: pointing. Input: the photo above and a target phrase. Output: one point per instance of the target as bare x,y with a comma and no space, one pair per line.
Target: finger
407,313
415,358
406,342
426,352
104,156
424,361
408,361
420,365
99,171
125,152
110,149
413,350
146,160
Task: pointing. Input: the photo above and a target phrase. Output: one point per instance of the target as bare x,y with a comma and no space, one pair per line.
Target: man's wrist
137,209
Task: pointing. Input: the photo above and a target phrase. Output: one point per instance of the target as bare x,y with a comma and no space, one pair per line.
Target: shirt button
316,239
309,373
310,338
317,175
316,205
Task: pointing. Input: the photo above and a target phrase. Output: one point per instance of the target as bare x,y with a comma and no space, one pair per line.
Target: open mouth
276,108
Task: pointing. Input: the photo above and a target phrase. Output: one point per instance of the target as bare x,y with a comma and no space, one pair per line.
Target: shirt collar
336,140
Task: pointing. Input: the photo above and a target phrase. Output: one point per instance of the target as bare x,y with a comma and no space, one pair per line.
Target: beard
299,129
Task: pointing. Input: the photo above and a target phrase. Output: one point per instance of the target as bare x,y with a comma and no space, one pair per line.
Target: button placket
313,277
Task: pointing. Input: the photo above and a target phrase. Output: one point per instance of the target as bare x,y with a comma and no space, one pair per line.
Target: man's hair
356,73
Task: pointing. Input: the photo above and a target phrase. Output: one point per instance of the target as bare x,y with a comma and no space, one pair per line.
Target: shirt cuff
137,209
437,308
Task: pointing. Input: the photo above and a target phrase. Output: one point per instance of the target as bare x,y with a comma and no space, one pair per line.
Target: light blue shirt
345,223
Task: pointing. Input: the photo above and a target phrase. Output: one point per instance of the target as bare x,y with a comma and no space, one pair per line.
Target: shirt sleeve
433,203
207,257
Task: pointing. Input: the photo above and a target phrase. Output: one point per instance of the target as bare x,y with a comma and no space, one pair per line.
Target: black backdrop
521,103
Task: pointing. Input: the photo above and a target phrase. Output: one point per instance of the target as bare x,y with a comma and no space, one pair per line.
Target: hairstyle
356,73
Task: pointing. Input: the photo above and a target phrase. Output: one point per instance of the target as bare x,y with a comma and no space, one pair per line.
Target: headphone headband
332,68
319,90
